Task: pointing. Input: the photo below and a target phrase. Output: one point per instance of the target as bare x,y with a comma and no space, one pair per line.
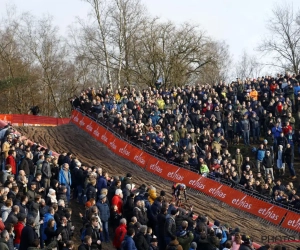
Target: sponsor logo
242,203
104,137
217,192
139,159
76,119
268,213
279,239
89,127
197,183
96,132
294,223
113,145
156,168
81,123
124,151
175,176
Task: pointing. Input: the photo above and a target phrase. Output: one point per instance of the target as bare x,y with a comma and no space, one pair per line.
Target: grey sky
241,23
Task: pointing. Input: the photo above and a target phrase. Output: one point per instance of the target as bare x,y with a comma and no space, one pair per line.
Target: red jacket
2,227
18,230
117,201
11,161
287,129
120,233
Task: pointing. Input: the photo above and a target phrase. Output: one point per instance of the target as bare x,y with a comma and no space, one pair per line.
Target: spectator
117,201
28,234
65,179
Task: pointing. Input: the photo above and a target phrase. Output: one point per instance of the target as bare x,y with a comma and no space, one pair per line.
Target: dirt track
67,138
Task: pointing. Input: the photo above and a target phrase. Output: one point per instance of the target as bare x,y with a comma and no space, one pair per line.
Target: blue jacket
62,179
101,183
47,217
276,132
260,154
129,245
104,211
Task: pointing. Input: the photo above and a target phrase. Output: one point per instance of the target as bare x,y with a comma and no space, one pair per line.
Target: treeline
118,43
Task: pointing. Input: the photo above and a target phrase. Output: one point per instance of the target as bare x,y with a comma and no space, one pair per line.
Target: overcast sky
241,23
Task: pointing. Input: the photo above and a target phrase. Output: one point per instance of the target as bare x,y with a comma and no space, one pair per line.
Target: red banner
33,120
292,221
163,169
230,196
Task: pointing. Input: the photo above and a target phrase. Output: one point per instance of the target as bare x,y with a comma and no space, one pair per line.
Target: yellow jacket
5,149
152,195
160,103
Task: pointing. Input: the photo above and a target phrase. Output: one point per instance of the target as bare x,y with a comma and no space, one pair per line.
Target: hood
5,208
48,216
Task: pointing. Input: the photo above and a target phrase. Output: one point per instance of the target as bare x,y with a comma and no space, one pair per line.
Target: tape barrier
224,193
32,120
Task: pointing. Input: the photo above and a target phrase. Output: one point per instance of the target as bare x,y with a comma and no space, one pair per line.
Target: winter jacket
141,242
47,217
267,161
94,233
5,211
186,240
170,226
141,215
120,234
27,237
3,244
129,243
46,170
245,125
117,200
101,183
260,154
10,160
174,244
18,230
104,211
62,178
152,195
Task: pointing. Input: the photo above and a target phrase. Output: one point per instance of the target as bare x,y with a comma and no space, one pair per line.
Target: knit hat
162,193
265,141
129,175
182,233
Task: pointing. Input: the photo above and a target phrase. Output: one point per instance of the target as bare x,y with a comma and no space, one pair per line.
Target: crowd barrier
275,214
33,120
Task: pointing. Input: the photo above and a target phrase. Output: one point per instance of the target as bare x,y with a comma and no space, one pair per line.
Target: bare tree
98,34
47,52
247,67
283,42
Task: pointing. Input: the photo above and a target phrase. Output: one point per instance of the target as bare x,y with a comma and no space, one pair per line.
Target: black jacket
170,227
268,161
27,237
141,242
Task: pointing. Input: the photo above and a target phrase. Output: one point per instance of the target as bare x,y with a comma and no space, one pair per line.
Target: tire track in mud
68,137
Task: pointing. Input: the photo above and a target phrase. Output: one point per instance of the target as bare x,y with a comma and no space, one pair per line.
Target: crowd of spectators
35,197
200,127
